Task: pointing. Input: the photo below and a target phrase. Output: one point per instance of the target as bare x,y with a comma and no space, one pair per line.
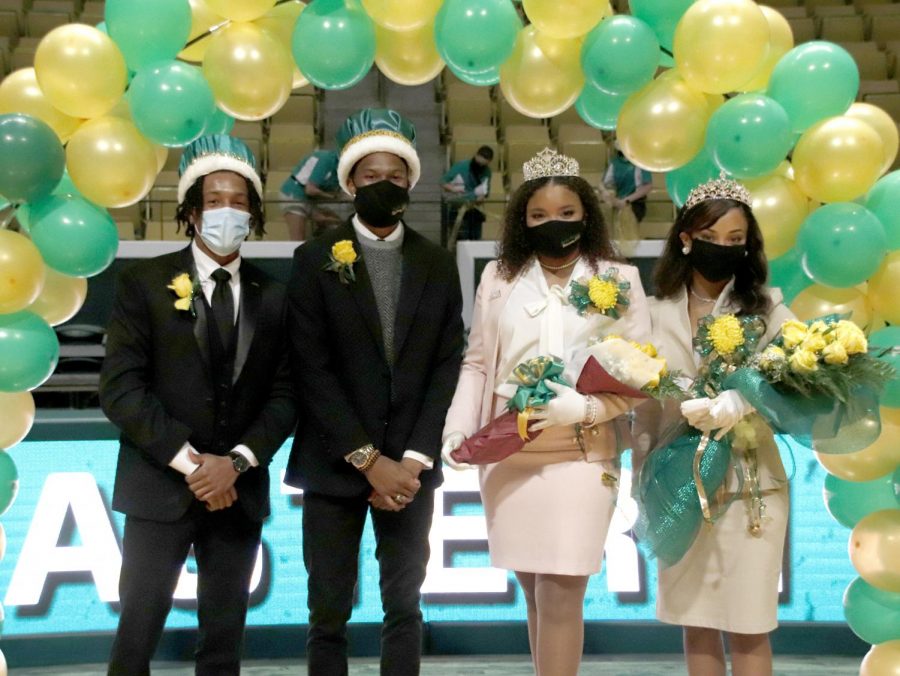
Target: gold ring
399,498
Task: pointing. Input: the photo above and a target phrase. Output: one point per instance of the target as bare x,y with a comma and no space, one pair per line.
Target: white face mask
224,229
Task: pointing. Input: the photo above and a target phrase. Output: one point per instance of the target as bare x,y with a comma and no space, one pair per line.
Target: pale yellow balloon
875,549
60,299
883,286
818,301
202,19
564,18
884,126
542,76
714,101
780,208
872,462
279,22
882,660
720,45
110,162
837,159
162,154
17,418
249,71
781,41
22,272
21,93
80,69
409,57
663,125
240,10
402,15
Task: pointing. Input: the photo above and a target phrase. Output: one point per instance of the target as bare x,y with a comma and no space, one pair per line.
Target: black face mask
381,204
555,239
476,168
716,262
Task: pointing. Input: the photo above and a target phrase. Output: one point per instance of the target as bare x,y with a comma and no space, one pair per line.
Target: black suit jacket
349,395
157,387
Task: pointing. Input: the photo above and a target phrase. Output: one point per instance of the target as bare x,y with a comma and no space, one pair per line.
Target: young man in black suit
196,377
376,332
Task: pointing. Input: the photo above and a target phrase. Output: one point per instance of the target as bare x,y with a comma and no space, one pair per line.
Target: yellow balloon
21,93
60,299
564,18
249,72
240,10
875,549
663,125
202,19
884,126
17,418
279,22
720,45
402,15
408,57
818,301
882,660
110,163
542,76
838,159
872,462
780,208
80,69
22,272
162,154
883,288
781,41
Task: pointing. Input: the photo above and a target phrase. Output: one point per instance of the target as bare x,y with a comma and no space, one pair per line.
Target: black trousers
332,530
225,546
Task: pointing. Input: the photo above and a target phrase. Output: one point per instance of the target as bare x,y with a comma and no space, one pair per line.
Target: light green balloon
599,108
680,181
786,273
29,351
171,102
147,31
476,35
75,237
873,614
9,481
485,78
620,55
850,501
883,200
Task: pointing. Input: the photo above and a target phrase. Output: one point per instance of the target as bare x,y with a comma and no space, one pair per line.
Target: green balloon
66,187
680,181
9,482
786,273
749,135
458,22
850,501
885,345
813,81
620,55
599,108
219,122
662,16
29,351
75,237
334,43
31,158
842,244
883,200
873,614
171,102
23,218
147,31
484,78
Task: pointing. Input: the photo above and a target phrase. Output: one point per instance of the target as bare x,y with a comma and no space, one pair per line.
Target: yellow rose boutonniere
186,289
343,256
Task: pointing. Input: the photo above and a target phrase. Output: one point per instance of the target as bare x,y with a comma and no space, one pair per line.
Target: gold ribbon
522,422
698,480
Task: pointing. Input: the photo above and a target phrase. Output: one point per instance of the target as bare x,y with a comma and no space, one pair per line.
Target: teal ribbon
533,376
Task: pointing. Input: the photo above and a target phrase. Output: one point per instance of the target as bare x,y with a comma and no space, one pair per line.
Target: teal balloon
66,187
749,135
662,16
897,483
31,158
9,482
873,614
171,102
474,36
599,108
842,244
29,351
75,237
850,501
620,55
23,218
883,200
680,181
484,78
786,273
334,43
813,81
885,345
148,31
219,122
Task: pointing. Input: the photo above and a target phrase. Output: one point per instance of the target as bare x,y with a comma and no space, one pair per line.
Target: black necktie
223,305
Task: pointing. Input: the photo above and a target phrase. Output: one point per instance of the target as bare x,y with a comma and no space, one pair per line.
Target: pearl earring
685,249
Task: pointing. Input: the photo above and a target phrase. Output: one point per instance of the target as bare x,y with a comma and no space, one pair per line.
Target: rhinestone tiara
548,163
721,188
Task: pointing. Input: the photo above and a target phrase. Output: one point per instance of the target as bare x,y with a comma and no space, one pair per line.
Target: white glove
696,411
723,412
568,407
451,443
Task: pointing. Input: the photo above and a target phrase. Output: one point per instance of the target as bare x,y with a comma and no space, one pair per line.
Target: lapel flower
186,289
606,294
726,334
343,256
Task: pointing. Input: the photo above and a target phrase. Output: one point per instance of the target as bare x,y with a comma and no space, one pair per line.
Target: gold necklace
554,268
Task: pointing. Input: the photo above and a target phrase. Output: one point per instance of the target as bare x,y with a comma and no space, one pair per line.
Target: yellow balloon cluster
22,272
780,208
17,419
565,18
408,57
401,15
21,93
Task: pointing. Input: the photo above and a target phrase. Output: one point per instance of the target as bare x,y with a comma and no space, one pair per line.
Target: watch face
358,458
240,463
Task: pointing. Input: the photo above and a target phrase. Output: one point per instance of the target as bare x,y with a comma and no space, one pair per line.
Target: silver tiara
721,188
548,163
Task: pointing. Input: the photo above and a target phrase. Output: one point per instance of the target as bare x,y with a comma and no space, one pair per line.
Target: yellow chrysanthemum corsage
605,294
726,334
186,289
343,256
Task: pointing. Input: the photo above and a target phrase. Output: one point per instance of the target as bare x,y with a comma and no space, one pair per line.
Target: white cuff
182,461
419,457
247,453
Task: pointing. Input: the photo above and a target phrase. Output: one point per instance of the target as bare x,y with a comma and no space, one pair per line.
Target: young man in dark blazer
196,377
377,335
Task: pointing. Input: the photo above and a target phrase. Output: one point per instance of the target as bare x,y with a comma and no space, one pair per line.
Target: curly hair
193,203
674,271
515,250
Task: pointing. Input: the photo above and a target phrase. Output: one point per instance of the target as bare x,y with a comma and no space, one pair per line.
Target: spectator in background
466,182
314,180
630,184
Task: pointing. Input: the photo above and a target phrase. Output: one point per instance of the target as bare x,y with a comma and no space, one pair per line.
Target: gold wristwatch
363,457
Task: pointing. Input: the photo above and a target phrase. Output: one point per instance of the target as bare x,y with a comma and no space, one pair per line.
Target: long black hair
193,204
674,271
515,250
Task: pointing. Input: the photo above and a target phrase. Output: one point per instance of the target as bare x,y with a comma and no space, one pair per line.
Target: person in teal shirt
631,184
314,180
466,182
